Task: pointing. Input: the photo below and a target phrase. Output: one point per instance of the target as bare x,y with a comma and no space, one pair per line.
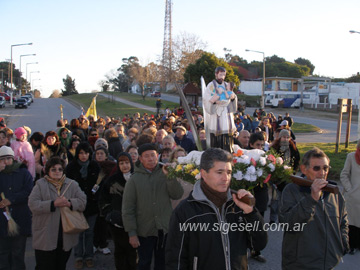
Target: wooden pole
338,132
349,111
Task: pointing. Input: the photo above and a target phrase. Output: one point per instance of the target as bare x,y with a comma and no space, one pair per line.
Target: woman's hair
51,134
110,133
52,162
130,147
102,149
37,136
86,147
74,123
144,138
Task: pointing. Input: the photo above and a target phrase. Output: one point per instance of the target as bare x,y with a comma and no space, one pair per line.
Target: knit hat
284,132
101,142
181,127
19,132
146,147
284,123
5,152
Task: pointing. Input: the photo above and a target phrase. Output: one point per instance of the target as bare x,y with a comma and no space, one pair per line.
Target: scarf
218,198
127,176
357,156
56,183
10,168
285,149
84,168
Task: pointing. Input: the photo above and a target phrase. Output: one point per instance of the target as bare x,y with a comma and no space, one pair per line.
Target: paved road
42,116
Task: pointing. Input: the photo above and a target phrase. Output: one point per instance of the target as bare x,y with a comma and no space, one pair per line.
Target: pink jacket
23,152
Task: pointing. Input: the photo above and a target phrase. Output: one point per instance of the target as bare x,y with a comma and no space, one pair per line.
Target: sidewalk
134,104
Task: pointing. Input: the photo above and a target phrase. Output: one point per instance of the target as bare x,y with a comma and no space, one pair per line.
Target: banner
92,109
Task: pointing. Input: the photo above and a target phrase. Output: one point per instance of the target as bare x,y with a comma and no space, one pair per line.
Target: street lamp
23,55
262,105
30,76
27,67
32,83
358,131
11,69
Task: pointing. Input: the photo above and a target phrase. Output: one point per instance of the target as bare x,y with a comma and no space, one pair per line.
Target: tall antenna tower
167,45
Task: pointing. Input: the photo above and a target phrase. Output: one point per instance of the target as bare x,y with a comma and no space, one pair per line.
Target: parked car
21,103
6,96
30,96
28,100
156,94
2,102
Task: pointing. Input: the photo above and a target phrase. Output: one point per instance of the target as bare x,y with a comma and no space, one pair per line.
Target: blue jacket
17,187
185,143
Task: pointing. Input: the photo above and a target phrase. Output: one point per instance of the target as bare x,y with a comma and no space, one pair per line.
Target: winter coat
86,185
17,186
115,147
46,223
185,143
24,152
214,248
323,239
146,203
45,152
350,179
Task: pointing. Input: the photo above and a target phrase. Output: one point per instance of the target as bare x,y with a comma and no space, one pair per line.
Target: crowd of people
110,171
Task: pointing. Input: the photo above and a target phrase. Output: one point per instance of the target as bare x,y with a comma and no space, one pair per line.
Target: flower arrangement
250,168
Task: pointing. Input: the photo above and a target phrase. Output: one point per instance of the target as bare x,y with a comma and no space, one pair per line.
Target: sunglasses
318,168
56,170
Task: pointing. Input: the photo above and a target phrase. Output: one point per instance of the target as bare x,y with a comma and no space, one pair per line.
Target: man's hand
214,98
165,168
4,203
245,207
134,241
316,187
61,202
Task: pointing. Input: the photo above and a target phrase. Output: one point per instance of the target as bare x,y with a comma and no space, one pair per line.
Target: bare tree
187,48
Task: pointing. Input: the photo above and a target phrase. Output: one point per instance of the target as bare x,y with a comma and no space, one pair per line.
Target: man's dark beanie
146,147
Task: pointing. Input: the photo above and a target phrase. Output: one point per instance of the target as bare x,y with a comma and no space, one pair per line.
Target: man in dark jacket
16,184
182,140
316,236
213,229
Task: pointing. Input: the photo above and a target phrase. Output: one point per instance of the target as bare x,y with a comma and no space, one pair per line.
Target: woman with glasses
53,246
350,179
85,171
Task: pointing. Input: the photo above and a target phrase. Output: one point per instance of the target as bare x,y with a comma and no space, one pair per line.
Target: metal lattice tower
167,45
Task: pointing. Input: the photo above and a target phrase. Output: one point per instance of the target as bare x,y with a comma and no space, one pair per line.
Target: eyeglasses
318,168
56,170
94,134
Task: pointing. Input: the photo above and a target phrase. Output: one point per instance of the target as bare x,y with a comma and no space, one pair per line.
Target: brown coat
45,224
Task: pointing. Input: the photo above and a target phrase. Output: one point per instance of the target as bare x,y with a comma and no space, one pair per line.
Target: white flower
259,172
262,161
272,167
279,161
247,177
251,170
238,175
192,157
198,176
244,159
253,178
254,153
287,167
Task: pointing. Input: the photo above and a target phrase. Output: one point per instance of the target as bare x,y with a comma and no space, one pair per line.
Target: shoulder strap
67,187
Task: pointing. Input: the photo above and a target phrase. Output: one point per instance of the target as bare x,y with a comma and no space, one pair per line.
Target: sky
87,39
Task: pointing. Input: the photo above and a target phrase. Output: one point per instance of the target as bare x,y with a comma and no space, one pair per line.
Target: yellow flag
92,109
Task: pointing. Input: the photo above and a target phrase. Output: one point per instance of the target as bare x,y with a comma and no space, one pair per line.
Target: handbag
73,222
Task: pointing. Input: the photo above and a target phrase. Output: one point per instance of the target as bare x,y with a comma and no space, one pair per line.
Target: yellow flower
195,172
178,168
189,167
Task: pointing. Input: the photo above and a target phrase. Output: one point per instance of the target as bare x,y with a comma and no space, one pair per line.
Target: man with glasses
316,231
